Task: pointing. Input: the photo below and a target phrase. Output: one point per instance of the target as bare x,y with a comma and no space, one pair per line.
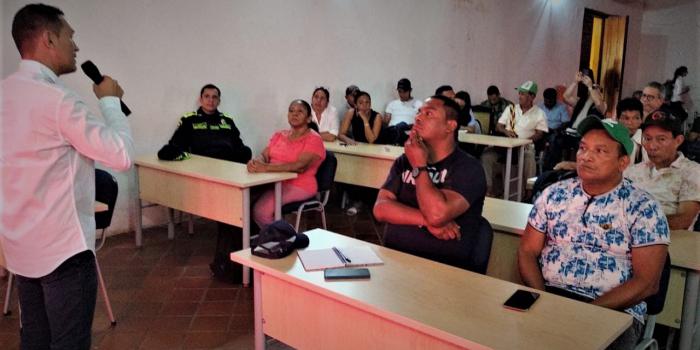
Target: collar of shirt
39,70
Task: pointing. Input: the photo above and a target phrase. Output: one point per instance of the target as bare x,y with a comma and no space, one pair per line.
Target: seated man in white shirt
524,120
670,177
400,114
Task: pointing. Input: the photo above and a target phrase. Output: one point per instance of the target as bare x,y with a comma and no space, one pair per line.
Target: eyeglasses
649,97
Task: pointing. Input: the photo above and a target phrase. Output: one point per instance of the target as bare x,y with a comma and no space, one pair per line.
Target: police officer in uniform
211,133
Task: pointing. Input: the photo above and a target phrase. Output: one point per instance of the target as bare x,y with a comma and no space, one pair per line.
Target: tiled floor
163,296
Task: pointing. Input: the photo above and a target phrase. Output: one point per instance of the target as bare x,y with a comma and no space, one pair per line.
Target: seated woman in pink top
300,150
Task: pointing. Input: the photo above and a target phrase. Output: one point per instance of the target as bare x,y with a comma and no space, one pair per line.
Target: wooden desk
682,307
211,188
410,303
508,143
363,164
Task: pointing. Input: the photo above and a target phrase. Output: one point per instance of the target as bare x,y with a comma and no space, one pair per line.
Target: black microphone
90,69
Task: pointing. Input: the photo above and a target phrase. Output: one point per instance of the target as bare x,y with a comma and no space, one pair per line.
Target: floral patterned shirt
589,240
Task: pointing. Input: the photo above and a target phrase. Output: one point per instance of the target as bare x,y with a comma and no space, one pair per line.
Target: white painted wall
671,38
264,53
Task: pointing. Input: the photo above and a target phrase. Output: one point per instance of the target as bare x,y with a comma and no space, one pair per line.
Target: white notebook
321,259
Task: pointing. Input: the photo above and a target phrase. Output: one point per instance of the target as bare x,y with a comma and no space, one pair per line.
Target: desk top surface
457,305
511,217
366,150
216,170
490,140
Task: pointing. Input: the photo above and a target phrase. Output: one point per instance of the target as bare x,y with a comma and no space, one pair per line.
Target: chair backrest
106,190
326,172
484,120
655,303
479,258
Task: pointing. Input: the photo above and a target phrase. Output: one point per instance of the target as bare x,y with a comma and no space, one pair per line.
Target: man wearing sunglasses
670,177
597,237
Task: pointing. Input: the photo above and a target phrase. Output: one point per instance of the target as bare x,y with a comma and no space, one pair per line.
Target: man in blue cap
597,237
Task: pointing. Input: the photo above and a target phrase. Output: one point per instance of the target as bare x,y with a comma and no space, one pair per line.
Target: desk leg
246,232
521,164
690,310
506,176
138,234
278,200
257,310
171,223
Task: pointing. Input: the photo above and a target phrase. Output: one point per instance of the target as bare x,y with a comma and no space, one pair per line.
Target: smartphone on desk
344,273
521,300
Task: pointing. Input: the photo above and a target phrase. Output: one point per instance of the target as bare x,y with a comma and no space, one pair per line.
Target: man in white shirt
403,109
400,115
524,120
50,144
670,177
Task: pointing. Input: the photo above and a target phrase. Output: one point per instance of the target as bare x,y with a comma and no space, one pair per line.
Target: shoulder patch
189,114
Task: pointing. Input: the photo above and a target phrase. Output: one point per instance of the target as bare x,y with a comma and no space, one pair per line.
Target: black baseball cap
404,84
664,120
278,240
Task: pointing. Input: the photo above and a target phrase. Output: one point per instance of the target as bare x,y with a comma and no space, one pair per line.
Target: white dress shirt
50,141
329,120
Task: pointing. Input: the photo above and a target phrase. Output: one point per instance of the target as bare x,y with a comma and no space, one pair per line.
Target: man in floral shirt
597,237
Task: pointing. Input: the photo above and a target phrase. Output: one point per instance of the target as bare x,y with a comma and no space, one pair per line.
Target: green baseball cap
528,86
616,130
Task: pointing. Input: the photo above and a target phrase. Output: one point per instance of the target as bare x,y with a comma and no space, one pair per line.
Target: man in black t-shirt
434,194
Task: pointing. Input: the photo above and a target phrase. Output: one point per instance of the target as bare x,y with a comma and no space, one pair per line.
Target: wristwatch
416,171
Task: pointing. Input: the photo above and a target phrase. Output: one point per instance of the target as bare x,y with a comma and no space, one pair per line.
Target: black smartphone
342,273
521,300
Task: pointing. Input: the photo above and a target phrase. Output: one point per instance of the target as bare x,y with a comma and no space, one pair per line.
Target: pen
344,259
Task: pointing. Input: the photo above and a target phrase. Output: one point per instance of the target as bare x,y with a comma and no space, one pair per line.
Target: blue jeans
57,309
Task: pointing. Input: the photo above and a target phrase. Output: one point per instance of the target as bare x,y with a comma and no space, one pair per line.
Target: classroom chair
655,304
324,178
479,259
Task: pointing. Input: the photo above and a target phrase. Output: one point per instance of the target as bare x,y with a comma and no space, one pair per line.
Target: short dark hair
550,94
442,89
30,20
451,107
493,90
209,86
630,104
658,86
325,92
